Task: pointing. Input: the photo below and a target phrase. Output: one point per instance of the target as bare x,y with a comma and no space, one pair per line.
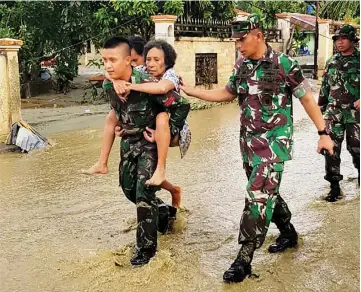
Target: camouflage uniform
178,108
339,90
139,160
264,88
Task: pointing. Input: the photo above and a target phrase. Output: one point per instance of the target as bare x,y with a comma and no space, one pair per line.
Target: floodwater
61,231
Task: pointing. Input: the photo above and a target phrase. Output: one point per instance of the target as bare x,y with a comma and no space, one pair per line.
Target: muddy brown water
60,230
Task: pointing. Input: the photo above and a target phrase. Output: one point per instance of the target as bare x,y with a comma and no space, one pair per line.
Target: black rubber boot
167,216
142,257
287,239
241,267
335,192
238,271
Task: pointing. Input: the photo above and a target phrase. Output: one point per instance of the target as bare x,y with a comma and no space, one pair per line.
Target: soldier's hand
149,135
183,87
326,143
357,105
119,132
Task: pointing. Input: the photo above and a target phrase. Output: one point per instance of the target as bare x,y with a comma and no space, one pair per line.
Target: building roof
305,22
241,12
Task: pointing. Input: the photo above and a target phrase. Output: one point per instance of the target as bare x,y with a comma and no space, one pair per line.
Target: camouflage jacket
264,89
140,109
341,88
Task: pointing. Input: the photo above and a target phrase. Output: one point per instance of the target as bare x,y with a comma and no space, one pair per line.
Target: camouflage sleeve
325,90
141,68
231,85
296,80
107,84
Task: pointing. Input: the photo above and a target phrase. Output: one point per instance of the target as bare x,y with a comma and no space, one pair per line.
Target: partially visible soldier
138,156
264,82
340,104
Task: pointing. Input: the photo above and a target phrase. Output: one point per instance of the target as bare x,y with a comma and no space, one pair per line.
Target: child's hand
119,132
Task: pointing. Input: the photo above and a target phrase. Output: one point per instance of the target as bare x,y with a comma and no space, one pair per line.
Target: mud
62,231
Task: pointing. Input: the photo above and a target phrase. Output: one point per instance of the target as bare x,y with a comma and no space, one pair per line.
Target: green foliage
216,10
339,10
268,9
61,28
46,28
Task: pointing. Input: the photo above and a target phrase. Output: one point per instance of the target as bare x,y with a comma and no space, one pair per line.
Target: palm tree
337,10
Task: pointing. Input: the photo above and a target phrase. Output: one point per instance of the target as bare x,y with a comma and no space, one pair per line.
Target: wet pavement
60,230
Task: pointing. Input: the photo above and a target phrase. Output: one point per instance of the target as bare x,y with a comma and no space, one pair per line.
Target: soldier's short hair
118,41
137,43
169,53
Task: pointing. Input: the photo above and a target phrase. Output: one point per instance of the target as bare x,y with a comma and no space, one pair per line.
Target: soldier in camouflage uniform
340,103
264,81
138,156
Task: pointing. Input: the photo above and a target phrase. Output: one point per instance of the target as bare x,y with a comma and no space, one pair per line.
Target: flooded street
60,230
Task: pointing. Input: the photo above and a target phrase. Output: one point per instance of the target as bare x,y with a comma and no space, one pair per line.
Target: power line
82,42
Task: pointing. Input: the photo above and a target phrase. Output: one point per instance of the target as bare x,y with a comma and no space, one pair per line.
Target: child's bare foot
176,197
97,168
157,179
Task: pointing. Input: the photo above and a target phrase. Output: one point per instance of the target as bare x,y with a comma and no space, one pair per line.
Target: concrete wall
188,47
278,46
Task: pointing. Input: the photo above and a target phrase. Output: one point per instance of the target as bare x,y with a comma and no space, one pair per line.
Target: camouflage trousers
263,205
337,133
138,163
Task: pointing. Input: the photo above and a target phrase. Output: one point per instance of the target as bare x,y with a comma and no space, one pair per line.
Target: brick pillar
10,103
284,24
164,27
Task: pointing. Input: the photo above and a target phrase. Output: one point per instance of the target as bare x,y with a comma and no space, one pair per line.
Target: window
206,69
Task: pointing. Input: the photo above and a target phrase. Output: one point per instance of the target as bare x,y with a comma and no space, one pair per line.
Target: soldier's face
248,45
155,62
136,59
343,44
116,61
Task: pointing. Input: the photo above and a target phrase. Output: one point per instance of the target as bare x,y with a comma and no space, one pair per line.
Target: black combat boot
288,238
241,267
238,271
167,215
142,256
335,192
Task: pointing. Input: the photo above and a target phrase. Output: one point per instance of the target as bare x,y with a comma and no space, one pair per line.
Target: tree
216,10
268,9
339,10
61,28
135,15
48,29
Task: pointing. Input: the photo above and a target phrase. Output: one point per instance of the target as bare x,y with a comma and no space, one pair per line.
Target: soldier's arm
324,91
217,95
301,90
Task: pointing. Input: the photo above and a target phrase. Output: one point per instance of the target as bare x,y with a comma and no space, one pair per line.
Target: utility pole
315,73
